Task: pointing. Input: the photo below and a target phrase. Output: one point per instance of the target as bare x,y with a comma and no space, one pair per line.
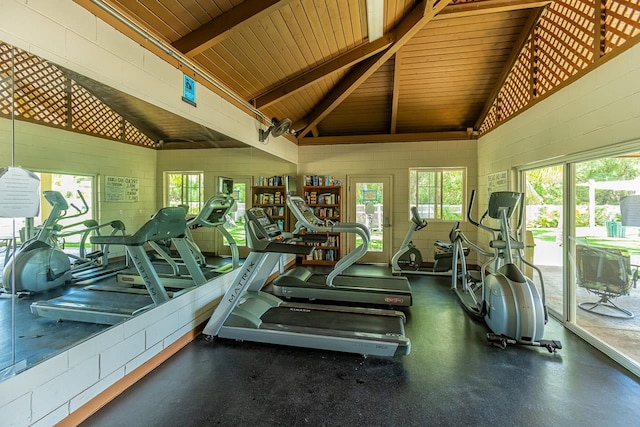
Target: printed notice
19,193
497,182
121,189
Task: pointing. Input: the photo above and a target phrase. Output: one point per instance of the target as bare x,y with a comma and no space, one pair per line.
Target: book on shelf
320,180
322,255
275,181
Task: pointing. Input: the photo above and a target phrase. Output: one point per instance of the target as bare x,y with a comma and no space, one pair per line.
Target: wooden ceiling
432,75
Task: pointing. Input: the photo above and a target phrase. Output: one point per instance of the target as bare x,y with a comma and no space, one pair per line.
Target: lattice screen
44,94
570,35
622,18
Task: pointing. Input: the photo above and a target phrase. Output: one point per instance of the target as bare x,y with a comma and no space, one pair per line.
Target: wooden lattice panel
564,42
42,95
491,120
39,89
132,134
6,79
92,116
622,22
515,93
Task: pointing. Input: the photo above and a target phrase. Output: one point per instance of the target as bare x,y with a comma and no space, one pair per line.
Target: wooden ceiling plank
326,26
299,14
407,28
298,36
219,28
488,6
382,138
527,30
345,60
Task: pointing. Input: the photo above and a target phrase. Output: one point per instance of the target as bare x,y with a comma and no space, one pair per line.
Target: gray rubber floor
451,377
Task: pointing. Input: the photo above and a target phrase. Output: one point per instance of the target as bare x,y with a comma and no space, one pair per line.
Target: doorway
369,203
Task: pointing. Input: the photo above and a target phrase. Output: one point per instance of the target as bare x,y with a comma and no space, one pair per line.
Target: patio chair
606,273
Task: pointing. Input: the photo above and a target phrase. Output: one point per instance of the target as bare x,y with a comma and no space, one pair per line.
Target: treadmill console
264,223
217,215
306,211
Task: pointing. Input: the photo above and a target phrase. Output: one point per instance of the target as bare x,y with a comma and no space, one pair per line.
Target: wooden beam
396,89
406,29
220,27
527,30
347,59
488,6
386,138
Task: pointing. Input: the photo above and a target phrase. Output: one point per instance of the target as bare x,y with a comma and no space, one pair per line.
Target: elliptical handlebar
479,224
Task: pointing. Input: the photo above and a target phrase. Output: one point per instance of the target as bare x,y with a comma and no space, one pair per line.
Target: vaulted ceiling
434,73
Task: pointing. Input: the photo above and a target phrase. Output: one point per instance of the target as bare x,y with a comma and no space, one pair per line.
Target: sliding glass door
584,220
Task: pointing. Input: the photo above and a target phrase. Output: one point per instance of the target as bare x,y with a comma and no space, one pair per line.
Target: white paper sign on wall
19,193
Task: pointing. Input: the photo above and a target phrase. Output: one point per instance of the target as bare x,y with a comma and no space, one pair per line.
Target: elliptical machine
507,301
38,265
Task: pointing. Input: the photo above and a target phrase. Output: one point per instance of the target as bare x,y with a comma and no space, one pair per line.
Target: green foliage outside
439,191
545,188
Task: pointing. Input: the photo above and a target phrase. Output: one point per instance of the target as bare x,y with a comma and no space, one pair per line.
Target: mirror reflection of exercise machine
247,313
103,307
408,259
213,215
301,282
40,264
507,300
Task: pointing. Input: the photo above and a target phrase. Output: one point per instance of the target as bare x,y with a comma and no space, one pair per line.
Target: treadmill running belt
101,301
388,284
343,321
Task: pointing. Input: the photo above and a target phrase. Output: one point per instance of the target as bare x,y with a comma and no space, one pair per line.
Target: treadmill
109,308
247,313
213,215
301,282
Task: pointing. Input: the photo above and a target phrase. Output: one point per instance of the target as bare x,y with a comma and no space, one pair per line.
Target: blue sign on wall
189,90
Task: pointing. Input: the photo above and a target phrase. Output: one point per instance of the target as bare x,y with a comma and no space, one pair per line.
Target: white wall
394,159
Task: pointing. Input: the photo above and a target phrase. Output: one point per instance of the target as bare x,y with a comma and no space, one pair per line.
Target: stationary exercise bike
408,259
507,301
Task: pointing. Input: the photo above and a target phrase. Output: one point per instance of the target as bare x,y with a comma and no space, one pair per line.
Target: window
185,188
437,192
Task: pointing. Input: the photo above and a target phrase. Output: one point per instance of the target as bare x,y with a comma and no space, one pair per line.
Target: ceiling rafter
488,6
395,91
406,29
513,57
218,28
363,52
347,59
384,138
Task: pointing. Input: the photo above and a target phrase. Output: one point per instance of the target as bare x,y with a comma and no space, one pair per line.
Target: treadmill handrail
309,221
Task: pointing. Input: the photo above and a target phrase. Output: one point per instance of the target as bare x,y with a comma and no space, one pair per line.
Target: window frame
413,197
194,205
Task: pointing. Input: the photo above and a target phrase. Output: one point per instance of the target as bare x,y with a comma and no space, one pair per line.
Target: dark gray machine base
300,282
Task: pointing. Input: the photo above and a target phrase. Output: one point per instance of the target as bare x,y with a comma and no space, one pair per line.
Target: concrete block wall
395,160
48,392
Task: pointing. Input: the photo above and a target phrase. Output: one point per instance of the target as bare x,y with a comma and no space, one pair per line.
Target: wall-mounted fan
277,128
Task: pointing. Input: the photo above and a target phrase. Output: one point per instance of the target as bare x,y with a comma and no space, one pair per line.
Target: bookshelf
324,197
270,194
